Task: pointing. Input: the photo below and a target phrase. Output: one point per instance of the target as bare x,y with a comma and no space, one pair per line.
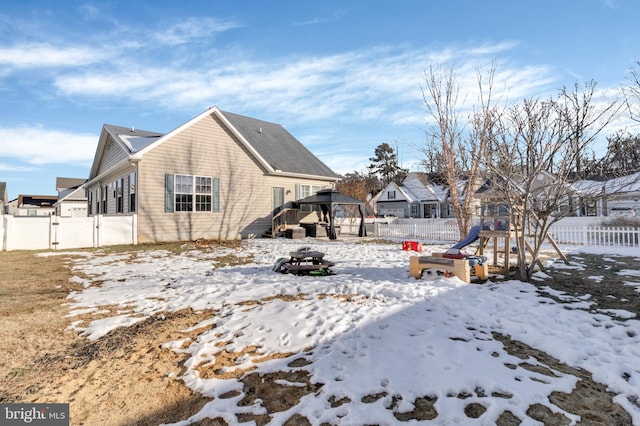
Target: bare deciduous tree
532,153
455,149
631,92
538,153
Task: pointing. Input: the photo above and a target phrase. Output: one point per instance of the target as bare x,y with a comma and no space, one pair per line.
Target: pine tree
385,165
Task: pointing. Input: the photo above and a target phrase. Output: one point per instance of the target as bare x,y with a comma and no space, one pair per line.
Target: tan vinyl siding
204,149
113,154
207,149
263,224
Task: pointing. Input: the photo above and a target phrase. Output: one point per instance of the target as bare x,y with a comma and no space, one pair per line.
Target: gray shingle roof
134,139
68,183
282,151
278,147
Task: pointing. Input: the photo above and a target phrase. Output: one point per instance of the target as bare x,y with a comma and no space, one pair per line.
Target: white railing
619,236
592,235
426,231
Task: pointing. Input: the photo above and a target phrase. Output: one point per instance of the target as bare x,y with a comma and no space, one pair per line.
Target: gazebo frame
328,200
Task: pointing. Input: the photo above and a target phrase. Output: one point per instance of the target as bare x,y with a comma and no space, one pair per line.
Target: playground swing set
495,226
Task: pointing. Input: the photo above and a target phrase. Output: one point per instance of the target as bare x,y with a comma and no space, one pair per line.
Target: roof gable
128,140
394,192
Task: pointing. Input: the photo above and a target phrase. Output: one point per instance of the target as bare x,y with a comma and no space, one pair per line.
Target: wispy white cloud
493,48
368,84
192,29
38,145
314,21
372,85
358,83
4,167
43,55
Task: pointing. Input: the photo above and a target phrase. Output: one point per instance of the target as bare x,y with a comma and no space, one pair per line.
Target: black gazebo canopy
328,199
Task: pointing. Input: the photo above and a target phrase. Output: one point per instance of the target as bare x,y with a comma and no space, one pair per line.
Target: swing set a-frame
497,225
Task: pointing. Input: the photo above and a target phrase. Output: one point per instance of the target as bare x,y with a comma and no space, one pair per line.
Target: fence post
134,229
3,232
54,224
96,230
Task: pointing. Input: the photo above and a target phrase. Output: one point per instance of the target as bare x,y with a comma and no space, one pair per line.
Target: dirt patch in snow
128,378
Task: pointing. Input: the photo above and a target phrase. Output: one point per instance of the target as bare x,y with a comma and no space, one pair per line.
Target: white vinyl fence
57,233
428,230
620,236
592,235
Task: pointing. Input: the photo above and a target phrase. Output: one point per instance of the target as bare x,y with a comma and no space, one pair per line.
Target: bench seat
461,268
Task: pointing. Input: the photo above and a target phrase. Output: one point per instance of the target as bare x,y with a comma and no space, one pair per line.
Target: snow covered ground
367,330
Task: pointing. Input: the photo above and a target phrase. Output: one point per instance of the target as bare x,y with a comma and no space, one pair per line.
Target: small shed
328,200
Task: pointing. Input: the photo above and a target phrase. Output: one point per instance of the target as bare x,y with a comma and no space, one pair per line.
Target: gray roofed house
72,200
218,176
418,196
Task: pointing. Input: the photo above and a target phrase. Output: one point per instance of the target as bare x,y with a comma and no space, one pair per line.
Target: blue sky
341,76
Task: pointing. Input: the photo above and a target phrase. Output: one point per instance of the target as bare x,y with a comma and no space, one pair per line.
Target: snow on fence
575,235
56,233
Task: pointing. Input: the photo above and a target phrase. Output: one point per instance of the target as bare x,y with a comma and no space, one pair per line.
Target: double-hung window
184,193
118,193
188,193
104,199
132,192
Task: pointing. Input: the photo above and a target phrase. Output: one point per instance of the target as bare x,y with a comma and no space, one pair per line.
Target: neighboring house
72,199
619,196
432,199
416,197
32,205
218,176
566,198
394,200
614,197
4,197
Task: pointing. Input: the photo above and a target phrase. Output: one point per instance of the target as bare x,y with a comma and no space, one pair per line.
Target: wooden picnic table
305,261
306,256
